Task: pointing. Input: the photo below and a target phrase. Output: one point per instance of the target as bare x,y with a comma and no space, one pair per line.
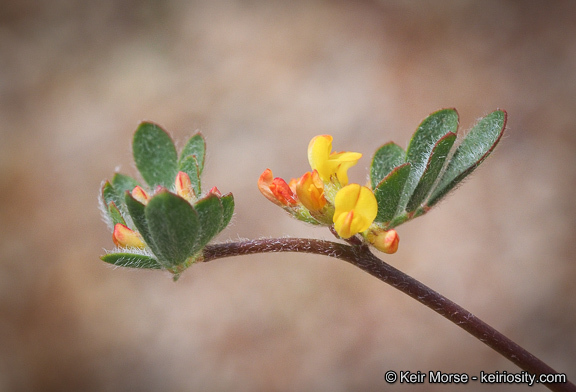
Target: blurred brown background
260,78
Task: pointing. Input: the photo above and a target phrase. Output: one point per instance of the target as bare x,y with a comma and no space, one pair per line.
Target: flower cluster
323,196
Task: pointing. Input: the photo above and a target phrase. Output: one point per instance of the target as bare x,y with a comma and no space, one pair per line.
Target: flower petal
276,189
310,191
355,210
282,192
330,166
341,162
343,224
318,153
264,183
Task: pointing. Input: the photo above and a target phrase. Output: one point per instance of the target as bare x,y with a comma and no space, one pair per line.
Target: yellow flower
331,166
310,191
385,241
126,238
356,209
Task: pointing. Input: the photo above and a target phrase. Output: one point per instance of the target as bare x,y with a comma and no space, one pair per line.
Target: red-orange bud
276,190
215,191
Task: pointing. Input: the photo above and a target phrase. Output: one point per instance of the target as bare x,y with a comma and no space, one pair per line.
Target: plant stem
362,257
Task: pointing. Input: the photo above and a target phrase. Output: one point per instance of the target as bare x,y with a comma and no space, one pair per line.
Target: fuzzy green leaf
136,211
195,146
433,169
123,183
423,141
476,146
389,192
155,155
174,226
114,191
209,211
131,260
108,193
386,158
115,214
189,165
228,210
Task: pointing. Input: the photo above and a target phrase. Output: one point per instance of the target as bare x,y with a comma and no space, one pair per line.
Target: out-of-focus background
260,78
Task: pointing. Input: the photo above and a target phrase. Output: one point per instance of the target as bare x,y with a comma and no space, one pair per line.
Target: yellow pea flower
310,191
355,210
330,165
126,238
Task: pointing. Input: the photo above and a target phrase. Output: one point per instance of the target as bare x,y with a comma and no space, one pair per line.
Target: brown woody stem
362,257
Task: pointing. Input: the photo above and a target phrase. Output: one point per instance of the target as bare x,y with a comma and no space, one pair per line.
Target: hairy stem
362,257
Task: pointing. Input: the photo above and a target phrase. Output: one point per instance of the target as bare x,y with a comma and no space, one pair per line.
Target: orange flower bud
126,238
140,195
385,241
282,191
292,184
276,190
215,191
184,187
310,191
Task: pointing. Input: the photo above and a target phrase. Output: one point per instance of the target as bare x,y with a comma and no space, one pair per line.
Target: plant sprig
168,223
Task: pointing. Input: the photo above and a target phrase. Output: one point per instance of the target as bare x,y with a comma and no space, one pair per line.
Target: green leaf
113,192
228,210
155,155
476,146
423,141
189,165
131,260
386,158
389,191
108,193
137,213
209,211
195,146
115,214
433,169
136,210
174,226
123,183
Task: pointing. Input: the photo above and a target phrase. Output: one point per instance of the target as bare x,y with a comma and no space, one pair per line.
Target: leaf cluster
174,230
408,183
